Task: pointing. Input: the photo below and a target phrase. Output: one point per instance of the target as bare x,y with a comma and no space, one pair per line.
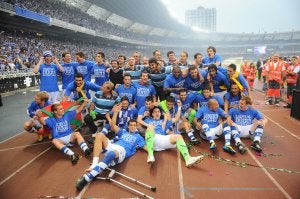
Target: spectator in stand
84,67
48,72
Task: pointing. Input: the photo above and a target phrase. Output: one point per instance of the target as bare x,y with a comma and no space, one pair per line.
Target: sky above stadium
244,16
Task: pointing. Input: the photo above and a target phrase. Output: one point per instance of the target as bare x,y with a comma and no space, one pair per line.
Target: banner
32,15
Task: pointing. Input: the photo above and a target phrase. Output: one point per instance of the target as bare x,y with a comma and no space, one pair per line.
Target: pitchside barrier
295,111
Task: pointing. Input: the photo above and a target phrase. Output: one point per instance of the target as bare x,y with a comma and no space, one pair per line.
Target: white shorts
119,149
215,132
244,130
53,97
66,139
162,142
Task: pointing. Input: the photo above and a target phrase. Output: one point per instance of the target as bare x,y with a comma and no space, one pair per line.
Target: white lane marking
180,176
25,165
270,176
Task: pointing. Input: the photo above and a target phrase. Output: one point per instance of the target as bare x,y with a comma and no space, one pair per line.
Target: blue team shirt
87,86
232,100
209,117
49,77
61,127
128,92
142,91
190,98
194,84
130,141
172,82
208,60
244,118
125,115
85,68
33,107
204,101
218,80
100,73
69,75
158,125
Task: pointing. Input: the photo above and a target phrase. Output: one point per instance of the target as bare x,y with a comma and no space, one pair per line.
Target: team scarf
79,90
234,79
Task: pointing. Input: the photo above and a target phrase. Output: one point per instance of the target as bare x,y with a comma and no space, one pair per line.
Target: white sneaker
150,159
277,104
194,160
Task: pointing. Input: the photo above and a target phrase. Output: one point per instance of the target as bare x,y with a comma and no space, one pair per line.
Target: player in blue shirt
127,89
174,82
48,72
158,139
99,69
114,153
84,66
188,112
212,57
69,75
206,95
207,119
194,82
125,114
232,98
238,79
217,80
242,124
40,101
80,88
144,89
62,132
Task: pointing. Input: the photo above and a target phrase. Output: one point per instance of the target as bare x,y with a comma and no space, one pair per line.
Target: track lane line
25,165
180,176
269,176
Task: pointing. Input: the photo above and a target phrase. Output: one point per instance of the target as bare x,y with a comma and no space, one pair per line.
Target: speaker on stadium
295,111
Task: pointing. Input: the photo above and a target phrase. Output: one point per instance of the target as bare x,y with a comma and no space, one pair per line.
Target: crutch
113,172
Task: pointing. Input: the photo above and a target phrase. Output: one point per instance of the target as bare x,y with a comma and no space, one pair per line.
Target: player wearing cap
48,67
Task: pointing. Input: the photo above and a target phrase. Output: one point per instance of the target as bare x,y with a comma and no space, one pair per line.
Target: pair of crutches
113,172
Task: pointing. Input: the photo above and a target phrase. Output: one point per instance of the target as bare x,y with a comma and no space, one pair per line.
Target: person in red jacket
291,79
274,71
251,75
